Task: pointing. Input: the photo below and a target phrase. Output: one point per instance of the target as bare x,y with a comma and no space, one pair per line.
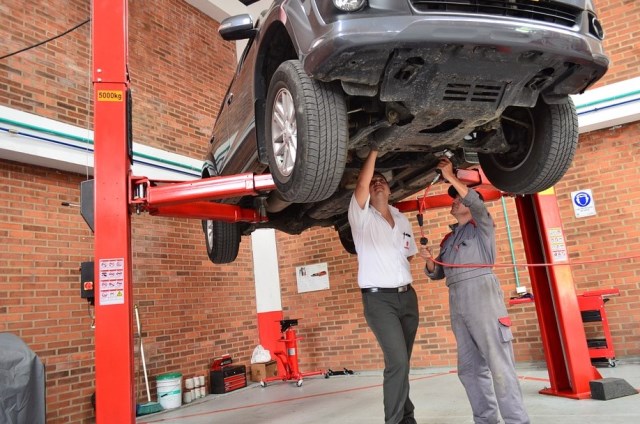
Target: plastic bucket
169,390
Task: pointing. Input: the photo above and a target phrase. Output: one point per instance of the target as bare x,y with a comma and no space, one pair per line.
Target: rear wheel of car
346,238
222,240
543,142
306,134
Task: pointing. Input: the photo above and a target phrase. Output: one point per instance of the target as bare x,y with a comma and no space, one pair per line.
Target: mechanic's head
377,174
379,184
454,193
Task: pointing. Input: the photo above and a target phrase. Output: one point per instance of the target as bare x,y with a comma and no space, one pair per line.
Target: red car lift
118,194
563,335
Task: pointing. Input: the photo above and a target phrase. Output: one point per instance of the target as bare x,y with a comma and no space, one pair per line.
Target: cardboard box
260,371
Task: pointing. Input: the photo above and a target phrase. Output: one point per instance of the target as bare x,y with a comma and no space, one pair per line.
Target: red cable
526,264
421,208
570,263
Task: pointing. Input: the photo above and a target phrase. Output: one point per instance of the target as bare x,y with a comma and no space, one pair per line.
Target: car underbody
487,82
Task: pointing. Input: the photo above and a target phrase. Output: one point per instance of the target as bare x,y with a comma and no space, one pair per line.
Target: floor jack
289,358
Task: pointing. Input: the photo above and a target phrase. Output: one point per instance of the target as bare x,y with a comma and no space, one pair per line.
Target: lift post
563,336
115,400
117,194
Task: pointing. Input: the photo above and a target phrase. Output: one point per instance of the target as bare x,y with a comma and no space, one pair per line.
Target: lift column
561,328
115,401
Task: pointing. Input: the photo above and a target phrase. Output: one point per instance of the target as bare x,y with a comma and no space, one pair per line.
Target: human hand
446,168
373,145
425,252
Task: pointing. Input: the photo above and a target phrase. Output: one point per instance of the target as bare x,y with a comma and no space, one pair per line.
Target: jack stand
289,358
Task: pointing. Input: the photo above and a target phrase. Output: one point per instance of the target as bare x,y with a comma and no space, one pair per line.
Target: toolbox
228,378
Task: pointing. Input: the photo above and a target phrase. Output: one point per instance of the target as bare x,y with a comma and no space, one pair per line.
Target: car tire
346,238
222,240
306,134
544,140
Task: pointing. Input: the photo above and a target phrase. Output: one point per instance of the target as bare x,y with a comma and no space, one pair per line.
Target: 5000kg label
109,95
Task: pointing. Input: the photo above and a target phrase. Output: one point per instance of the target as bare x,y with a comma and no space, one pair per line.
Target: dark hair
380,174
453,193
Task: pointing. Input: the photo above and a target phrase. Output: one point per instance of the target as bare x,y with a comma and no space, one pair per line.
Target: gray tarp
22,399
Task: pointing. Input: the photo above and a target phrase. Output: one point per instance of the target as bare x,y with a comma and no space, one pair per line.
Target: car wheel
543,141
222,240
346,238
306,129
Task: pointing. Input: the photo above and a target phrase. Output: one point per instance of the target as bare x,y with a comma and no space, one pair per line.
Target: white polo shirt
382,250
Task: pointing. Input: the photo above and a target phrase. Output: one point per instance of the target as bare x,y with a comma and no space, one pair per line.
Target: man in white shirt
385,244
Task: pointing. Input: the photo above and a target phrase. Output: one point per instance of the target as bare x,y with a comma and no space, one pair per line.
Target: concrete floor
437,393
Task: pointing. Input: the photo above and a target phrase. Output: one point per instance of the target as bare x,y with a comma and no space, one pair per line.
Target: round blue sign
582,199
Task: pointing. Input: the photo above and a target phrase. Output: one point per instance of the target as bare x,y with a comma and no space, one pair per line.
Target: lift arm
192,199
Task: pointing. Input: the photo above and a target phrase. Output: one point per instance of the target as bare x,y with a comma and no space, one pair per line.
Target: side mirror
239,27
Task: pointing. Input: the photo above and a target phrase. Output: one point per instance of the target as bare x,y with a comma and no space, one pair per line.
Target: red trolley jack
289,358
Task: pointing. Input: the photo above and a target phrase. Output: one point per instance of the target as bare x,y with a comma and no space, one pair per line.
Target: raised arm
446,167
364,178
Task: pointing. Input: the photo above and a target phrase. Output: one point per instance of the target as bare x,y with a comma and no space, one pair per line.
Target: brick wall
192,310
622,38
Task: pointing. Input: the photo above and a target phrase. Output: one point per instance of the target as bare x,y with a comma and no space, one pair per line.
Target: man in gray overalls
486,365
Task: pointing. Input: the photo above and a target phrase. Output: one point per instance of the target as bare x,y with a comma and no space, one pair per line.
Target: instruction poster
312,277
111,281
558,246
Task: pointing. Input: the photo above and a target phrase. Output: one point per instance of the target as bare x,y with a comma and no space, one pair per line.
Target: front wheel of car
542,140
306,134
222,240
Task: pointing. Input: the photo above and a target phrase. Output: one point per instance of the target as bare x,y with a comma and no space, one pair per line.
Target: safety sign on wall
583,203
312,277
111,281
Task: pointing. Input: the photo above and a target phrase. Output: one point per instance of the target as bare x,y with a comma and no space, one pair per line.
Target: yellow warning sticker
110,95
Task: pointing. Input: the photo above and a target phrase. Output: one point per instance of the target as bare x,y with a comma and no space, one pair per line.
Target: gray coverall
486,365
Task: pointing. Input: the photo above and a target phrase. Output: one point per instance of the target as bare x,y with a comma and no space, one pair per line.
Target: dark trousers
393,318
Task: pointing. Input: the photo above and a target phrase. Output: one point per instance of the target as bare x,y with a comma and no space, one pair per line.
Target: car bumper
360,50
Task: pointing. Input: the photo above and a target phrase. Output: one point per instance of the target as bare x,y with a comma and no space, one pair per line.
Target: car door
236,151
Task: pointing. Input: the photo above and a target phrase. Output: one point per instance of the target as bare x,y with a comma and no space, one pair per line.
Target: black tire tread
559,133
224,247
326,150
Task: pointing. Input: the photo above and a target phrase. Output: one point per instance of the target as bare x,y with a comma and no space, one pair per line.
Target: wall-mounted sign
312,277
583,203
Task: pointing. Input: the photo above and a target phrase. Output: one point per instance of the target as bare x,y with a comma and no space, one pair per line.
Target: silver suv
320,81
